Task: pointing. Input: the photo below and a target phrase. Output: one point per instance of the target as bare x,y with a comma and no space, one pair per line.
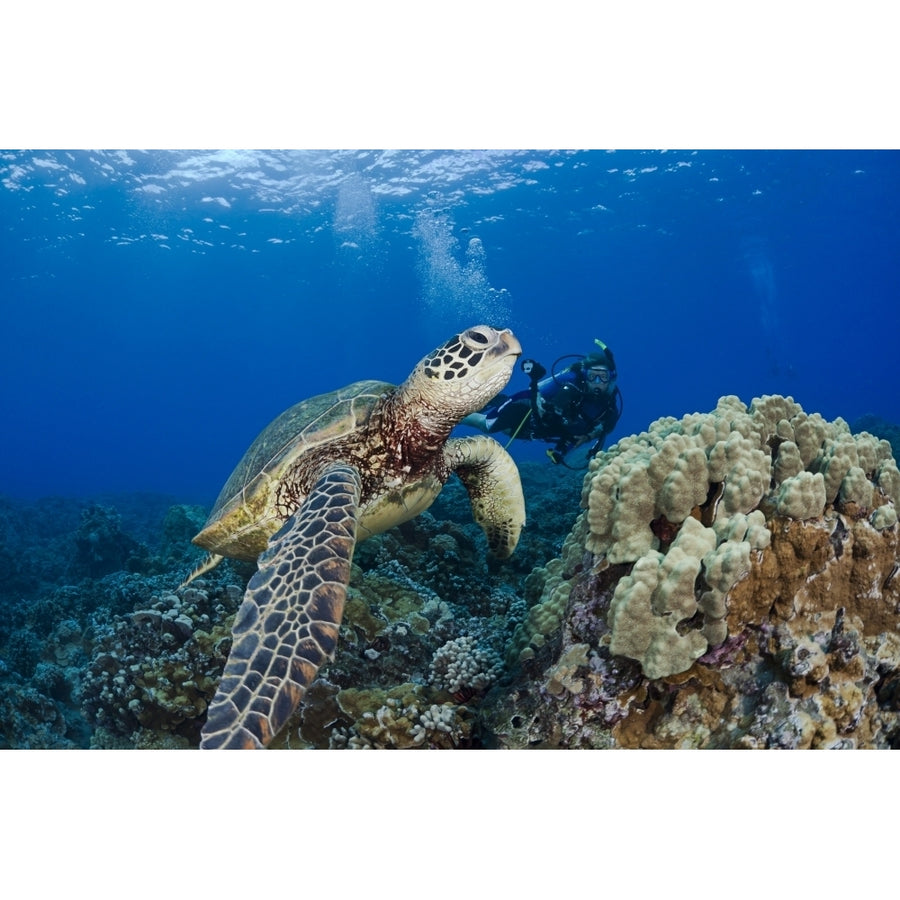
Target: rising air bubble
456,292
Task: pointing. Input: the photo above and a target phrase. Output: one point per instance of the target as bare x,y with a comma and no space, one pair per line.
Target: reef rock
732,581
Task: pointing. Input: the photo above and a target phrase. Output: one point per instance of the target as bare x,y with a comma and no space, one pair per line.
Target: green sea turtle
330,471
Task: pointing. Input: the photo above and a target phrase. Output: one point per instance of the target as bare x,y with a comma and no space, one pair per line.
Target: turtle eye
480,336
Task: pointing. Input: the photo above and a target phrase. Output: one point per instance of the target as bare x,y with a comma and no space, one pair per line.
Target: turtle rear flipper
491,479
287,624
209,562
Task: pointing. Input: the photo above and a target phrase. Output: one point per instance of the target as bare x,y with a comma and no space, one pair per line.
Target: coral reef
732,582
77,579
101,547
727,579
406,717
153,672
890,431
125,660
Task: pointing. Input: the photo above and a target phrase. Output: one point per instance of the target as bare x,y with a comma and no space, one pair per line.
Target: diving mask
597,376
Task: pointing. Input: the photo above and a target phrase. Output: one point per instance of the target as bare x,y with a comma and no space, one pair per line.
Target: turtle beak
508,344
501,358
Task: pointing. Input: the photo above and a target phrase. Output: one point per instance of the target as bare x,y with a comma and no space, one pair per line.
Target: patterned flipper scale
287,624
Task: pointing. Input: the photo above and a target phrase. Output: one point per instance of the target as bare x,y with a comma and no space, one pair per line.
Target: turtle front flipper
491,479
287,624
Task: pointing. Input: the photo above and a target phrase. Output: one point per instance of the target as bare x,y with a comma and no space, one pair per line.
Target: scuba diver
581,403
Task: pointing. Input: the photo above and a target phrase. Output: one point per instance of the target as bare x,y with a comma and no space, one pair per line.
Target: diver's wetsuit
556,409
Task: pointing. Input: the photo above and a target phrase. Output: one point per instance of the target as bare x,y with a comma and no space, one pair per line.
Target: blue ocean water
161,307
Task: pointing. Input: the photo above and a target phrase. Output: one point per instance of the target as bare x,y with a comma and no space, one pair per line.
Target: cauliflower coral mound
687,503
723,555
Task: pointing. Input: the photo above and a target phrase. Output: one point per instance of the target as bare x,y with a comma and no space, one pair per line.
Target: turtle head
462,375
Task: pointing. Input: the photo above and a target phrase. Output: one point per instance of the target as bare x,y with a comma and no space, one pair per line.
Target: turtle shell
251,505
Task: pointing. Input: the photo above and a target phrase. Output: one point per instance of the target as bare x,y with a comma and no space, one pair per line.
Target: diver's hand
534,370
